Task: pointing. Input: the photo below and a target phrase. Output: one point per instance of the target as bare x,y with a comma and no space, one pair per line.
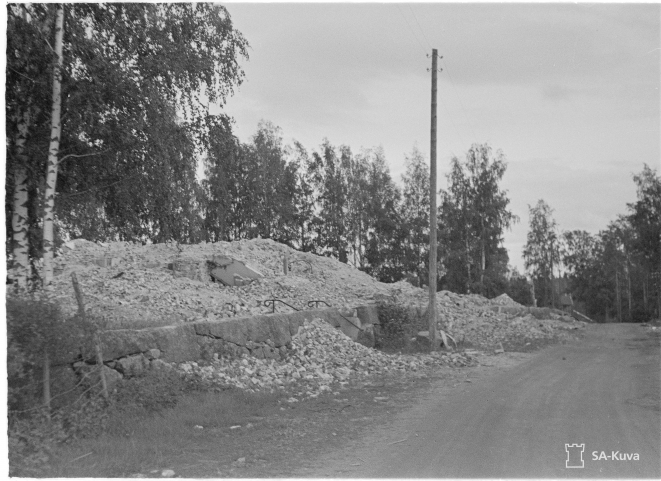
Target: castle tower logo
574,455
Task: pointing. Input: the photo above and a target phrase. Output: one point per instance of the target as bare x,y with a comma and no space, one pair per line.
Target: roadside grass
139,442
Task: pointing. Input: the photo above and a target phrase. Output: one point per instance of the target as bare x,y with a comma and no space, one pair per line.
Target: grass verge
137,443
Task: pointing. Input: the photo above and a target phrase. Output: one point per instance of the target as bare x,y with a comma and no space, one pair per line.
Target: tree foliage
612,274
136,83
415,214
541,253
474,217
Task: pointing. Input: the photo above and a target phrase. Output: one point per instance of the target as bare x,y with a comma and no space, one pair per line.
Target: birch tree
474,215
541,253
415,214
29,65
53,150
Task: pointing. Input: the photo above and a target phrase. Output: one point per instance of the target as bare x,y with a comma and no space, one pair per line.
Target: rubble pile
320,359
128,280
134,285
470,320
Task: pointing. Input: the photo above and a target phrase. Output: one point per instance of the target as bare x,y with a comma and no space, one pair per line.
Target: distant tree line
614,274
333,202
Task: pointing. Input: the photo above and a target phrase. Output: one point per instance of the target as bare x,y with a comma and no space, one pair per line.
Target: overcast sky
569,93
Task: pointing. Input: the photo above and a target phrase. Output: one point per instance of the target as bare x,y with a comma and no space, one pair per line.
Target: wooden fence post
97,339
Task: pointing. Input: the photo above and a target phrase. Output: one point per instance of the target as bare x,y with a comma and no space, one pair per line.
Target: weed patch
144,441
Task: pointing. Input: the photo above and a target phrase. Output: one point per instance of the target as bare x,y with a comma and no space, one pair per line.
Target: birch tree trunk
19,221
53,151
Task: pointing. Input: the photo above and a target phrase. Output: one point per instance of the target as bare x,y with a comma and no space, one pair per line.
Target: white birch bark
53,151
19,221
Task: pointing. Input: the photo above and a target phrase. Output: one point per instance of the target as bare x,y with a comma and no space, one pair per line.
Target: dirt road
602,392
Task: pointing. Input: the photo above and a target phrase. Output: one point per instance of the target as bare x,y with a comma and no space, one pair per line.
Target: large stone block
263,328
176,343
231,330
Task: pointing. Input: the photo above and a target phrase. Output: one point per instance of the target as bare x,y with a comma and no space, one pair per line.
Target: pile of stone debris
133,286
320,359
475,321
127,281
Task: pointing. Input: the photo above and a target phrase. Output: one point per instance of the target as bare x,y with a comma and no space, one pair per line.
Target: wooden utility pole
433,336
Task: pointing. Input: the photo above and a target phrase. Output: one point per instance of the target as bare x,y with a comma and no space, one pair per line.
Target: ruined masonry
167,304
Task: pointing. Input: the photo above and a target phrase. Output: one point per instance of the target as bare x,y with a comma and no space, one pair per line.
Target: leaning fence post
97,341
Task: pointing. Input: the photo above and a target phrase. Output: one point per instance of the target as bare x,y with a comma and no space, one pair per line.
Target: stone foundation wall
128,351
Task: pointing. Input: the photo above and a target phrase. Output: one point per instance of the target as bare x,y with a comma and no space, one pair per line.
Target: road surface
600,395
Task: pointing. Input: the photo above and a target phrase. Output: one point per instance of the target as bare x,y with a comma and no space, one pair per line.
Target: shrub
31,440
398,325
36,329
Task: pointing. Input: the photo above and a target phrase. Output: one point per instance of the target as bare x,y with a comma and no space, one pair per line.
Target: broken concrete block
229,271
